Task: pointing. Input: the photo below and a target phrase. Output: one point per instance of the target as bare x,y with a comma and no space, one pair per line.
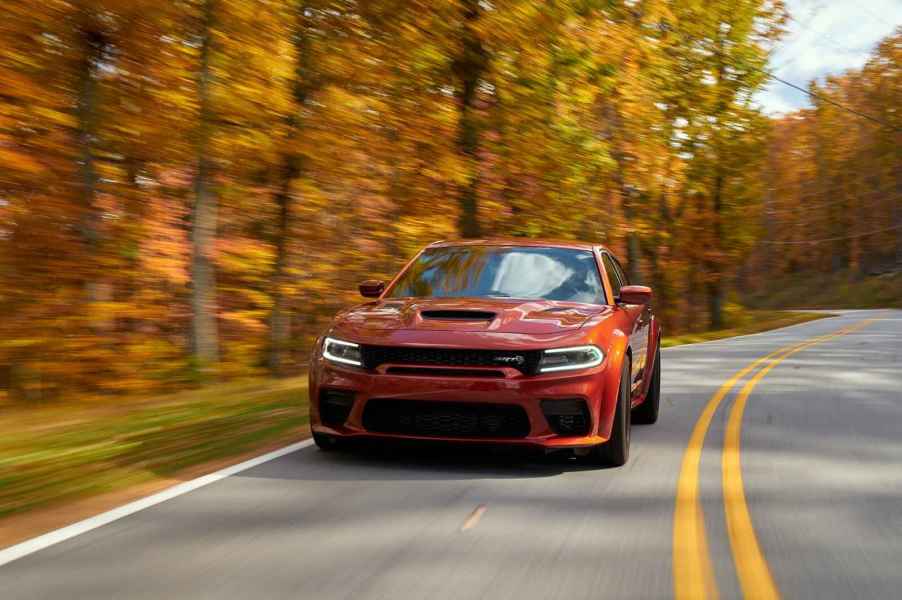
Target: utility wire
838,105
803,207
770,74
833,239
819,96
829,100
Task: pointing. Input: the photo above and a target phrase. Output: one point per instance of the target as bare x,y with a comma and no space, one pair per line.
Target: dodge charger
536,343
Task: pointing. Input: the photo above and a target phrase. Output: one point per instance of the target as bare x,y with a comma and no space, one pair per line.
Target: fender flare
617,352
655,335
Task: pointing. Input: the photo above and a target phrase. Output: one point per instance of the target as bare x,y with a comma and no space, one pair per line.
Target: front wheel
647,412
615,452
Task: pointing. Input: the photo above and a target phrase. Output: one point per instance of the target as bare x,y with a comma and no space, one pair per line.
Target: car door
638,318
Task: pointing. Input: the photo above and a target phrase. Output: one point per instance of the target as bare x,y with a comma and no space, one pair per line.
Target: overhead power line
829,100
811,94
819,96
833,239
802,208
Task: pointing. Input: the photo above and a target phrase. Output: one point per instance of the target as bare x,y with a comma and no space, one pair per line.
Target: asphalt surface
821,466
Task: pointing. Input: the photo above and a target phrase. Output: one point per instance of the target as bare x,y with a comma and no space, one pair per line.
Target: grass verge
833,290
752,321
60,454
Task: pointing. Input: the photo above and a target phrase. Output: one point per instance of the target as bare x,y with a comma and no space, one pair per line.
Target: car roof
517,241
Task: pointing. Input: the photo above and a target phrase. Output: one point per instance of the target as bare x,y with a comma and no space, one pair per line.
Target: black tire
324,442
616,451
647,412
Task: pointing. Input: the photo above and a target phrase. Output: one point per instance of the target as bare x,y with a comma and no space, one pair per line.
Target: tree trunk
896,203
691,313
93,48
715,305
468,68
395,193
715,285
633,253
280,318
204,335
627,193
715,264
303,85
658,253
769,261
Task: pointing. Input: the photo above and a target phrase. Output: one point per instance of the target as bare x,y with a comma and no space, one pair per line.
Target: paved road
821,460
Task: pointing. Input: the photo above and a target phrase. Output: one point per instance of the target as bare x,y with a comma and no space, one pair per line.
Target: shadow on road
407,462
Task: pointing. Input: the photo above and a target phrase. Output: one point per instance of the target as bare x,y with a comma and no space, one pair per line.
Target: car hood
531,317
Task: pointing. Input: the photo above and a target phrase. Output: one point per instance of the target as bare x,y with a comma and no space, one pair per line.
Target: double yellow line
693,575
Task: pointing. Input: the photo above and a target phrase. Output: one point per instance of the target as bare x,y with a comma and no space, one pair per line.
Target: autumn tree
729,44
833,173
194,187
468,67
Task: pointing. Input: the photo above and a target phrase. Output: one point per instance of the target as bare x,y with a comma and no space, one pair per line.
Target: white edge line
22,549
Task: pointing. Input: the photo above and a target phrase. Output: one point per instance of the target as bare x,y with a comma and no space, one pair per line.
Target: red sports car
515,342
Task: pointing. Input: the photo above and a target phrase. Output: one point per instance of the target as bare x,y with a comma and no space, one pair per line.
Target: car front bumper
593,386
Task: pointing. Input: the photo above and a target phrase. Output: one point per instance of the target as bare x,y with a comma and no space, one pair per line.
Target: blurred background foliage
190,189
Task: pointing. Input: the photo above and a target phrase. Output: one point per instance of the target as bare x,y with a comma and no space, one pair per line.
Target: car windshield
521,272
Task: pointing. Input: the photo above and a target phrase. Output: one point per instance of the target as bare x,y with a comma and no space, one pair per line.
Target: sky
825,37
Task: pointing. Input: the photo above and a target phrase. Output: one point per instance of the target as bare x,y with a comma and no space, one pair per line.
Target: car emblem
512,360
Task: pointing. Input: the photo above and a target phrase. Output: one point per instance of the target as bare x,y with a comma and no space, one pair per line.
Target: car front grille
445,419
526,362
443,372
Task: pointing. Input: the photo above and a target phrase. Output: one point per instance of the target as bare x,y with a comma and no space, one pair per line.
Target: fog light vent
568,416
335,406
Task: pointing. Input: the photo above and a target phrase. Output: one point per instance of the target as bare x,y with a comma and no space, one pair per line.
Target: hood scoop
458,315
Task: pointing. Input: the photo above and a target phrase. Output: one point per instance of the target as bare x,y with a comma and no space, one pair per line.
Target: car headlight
568,359
339,351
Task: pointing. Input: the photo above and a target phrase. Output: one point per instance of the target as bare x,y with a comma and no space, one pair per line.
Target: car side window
624,280
613,274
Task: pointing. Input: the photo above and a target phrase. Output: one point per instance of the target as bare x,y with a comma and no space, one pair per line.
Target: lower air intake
335,406
445,419
567,417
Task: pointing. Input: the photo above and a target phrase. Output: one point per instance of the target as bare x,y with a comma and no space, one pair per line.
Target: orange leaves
332,142
20,163
834,201
163,247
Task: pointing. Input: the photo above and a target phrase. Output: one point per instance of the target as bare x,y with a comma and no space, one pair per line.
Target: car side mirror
372,288
635,294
